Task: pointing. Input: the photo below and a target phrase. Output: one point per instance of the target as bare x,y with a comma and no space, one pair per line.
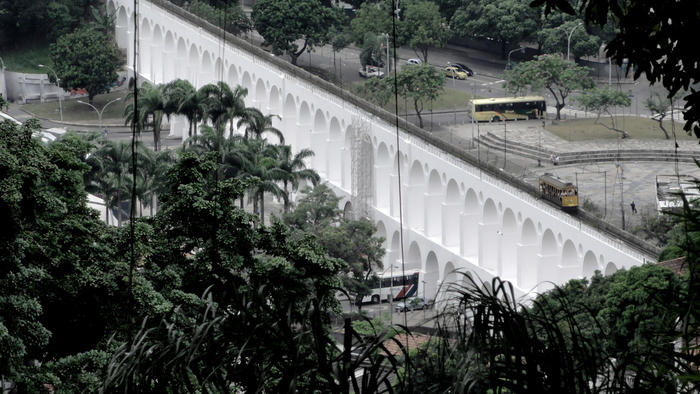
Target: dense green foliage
24,21
86,59
353,241
550,72
507,22
284,22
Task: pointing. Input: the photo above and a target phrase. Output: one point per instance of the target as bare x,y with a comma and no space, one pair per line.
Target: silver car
410,304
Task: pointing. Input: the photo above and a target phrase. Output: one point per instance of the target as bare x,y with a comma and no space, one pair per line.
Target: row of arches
449,210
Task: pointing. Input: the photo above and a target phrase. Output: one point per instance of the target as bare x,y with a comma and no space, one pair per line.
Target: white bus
387,287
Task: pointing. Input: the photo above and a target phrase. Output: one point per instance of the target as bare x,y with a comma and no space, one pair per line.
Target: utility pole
622,199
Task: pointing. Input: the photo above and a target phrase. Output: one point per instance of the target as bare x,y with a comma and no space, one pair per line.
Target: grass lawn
450,99
27,59
636,127
73,111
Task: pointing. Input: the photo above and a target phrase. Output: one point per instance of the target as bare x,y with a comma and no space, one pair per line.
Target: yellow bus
560,192
508,108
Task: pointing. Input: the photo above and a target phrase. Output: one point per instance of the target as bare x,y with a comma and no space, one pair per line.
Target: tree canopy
86,59
423,27
284,22
603,100
507,22
549,72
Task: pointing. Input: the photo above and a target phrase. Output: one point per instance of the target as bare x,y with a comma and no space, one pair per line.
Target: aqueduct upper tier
457,215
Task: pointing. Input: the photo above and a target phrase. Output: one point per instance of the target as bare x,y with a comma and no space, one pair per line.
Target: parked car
464,68
414,61
371,71
411,304
454,72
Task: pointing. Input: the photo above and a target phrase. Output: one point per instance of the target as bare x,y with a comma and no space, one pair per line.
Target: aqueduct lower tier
456,216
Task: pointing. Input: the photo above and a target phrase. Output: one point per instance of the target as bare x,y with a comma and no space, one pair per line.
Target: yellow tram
560,192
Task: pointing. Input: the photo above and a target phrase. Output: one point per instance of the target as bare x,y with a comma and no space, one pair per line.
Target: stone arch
590,265
157,47
549,243
434,199
347,211
528,235
527,250
450,211
469,225
610,268
207,69
414,201
569,256
247,83
413,258
181,66
111,8
273,104
490,213
193,63
452,196
508,238
122,28
260,95
317,142
145,55
431,279
490,234
232,77
394,252
219,70
346,162
169,52
335,141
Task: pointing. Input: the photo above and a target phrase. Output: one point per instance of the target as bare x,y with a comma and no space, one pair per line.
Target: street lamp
100,112
568,42
58,83
454,87
521,49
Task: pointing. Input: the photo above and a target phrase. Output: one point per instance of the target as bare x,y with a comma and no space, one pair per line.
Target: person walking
634,207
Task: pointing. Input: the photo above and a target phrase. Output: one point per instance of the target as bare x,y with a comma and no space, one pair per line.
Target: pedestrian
556,160
105,131
634,207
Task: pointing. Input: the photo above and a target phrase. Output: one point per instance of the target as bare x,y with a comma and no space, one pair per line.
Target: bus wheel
495,119
375,299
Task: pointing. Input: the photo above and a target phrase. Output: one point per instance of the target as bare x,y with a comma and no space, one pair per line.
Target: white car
371,71
414,61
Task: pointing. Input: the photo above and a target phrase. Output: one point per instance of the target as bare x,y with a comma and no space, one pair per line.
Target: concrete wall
23,87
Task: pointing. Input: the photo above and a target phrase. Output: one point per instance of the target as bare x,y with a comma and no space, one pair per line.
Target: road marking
493,83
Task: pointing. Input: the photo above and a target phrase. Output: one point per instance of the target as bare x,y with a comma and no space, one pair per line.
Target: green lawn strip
450,99
73,111
636,127
27,59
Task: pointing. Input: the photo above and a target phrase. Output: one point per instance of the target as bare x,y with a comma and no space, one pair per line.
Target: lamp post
522,49
388,65
568,42
58,83
100,112
454,87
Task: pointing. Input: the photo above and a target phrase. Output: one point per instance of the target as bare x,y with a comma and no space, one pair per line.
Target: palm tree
294,169
110,175
153,104
256,124
189,103
260,165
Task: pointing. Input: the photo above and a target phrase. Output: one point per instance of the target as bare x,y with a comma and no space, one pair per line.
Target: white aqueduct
455,216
